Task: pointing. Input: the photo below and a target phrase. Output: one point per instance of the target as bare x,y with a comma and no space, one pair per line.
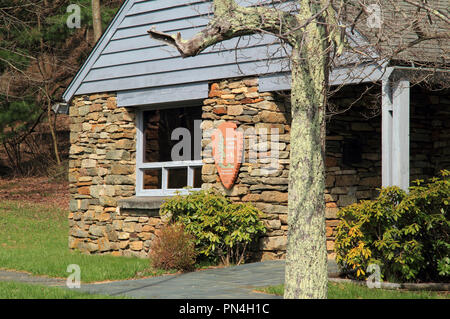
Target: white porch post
139,151
386,134
400,134
395,133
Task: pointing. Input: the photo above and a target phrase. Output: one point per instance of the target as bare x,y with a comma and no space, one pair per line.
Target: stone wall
347,179
429,132
353,153
253,112
102,171
103,152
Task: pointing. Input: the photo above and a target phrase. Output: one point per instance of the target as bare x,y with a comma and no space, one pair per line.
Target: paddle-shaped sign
227,148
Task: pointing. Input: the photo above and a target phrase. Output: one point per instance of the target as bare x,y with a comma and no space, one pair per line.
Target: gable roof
98,48
144,71
403,24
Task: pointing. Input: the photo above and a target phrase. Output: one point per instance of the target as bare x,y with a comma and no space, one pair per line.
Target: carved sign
227,148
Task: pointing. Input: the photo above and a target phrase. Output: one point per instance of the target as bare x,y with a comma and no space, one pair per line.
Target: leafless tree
317,33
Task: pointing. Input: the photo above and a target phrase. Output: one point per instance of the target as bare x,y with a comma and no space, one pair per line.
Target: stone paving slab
237,282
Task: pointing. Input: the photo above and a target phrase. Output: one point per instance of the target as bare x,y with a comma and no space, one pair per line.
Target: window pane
158,128
177,177
197,177
151,143
152,179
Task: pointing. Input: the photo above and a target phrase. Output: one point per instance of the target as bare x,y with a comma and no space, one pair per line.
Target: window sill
146,205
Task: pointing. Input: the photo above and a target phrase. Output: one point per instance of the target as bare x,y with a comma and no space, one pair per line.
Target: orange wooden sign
227,149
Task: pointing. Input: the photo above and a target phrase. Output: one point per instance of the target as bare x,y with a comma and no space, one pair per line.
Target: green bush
222,229
406,234
173,249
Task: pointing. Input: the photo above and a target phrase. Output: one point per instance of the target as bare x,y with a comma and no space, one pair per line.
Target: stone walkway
10,275
237,282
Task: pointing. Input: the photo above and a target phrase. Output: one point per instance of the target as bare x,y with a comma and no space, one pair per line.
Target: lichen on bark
310,31
306,259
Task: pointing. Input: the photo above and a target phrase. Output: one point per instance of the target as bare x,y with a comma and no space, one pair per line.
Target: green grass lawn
354,291
34,238
15,290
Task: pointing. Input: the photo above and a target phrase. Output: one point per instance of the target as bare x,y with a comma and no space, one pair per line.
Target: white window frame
164,166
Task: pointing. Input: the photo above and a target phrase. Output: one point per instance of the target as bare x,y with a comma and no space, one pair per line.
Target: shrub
174,248
222,229
406,234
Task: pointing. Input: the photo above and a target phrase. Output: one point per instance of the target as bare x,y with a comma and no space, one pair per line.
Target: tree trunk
96,20
310,33
52,132
306,259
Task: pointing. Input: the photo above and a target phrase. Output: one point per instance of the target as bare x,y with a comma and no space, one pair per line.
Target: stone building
132,93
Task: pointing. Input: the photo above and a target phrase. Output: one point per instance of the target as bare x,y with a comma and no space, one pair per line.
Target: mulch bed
38,190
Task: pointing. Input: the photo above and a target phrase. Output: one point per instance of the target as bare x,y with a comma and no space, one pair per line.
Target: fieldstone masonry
257,115
103,152
102,171
254,113
429,133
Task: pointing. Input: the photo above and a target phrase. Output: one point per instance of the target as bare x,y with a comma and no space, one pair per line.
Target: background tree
315,31
39,55
96,19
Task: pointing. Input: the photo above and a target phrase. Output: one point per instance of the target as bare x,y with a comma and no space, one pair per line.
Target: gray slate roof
144,71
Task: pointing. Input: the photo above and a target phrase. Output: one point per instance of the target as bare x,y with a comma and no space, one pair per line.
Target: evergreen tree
39,55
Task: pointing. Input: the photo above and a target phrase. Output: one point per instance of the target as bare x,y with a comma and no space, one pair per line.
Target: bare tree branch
232,20
438,13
